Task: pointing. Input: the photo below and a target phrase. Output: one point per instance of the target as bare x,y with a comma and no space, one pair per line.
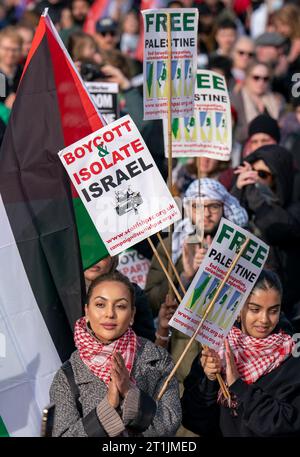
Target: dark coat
276,215
270,407
143,321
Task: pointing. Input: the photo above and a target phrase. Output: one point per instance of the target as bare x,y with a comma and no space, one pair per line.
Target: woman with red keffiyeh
110,384
261,369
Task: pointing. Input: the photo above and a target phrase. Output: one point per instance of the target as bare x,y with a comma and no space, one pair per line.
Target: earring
238,319
86,320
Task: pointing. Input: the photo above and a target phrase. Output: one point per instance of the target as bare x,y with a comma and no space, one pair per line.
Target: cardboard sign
208,132
105,97
184,27
135,266
210,274
120,185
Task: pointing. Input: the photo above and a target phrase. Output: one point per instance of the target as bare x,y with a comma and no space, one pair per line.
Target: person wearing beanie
262,130
268,187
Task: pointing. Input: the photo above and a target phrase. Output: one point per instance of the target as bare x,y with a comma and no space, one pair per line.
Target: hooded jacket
276,216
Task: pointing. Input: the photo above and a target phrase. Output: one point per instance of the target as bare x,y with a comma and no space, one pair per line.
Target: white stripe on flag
31,359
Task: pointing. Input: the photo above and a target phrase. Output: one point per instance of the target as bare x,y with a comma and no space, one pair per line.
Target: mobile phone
48,421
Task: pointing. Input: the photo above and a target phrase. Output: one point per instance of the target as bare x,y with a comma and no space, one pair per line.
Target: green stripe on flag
3,430
91,245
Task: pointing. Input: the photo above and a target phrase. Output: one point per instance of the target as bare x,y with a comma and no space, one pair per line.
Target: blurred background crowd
256,46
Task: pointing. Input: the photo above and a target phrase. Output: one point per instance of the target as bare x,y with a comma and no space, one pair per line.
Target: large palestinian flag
41,281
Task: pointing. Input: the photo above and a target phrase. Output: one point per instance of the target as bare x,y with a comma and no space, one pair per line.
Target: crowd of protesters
256,46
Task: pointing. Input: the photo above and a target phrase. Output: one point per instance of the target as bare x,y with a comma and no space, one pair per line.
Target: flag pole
171,283
171,262
207,311
170,181
199,173
179,298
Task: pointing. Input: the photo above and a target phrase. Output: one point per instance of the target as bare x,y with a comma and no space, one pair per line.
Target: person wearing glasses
268,187
107,36
188,253
242,55
254,98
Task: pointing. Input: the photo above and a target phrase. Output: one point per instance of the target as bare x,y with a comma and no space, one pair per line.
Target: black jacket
270,407
277,217
143,321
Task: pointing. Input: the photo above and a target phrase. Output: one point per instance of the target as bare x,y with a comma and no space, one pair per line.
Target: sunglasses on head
260,78
245,53
263,174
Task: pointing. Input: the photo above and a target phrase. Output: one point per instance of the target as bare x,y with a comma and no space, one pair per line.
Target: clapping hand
120,380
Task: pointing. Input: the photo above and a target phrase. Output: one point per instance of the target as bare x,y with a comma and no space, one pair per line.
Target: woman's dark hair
268,280
114,276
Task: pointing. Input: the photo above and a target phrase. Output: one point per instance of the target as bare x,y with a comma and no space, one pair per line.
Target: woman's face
260,315
110,311
131,24
88,50
265,175
99,269
243,54
258,80
283,28
207,165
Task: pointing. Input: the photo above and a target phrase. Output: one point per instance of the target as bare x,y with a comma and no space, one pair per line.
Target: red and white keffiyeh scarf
256,357
98,356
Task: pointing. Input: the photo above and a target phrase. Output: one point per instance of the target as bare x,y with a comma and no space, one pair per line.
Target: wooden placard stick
170,167
171,262
219,377
171,283
207,311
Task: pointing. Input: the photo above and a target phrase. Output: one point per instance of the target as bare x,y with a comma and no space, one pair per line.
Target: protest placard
120,185
209,276
135,266
208,131
105,97
184,27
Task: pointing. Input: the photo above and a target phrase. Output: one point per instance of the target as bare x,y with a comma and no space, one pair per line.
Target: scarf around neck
256,357
97,356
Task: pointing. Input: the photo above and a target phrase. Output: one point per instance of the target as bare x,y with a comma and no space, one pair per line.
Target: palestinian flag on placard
42,289
3,430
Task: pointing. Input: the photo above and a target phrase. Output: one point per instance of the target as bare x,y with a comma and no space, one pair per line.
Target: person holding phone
268,187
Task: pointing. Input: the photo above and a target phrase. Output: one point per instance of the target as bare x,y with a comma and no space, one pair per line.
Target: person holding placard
110,384
187,256
188,253
261,365
268,187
